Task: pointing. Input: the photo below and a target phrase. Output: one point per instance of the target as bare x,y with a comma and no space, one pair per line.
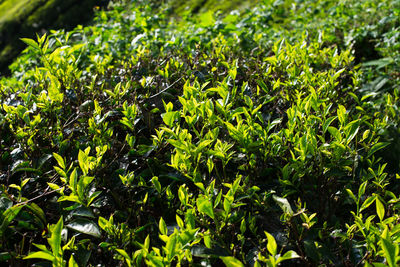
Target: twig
162,91
42,195
68,122
363,258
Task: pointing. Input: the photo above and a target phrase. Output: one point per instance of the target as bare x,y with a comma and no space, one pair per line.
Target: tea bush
267,136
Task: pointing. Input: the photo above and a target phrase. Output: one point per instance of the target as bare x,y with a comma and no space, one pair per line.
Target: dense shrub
251,138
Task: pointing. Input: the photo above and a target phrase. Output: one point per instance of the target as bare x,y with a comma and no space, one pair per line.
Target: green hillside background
25,18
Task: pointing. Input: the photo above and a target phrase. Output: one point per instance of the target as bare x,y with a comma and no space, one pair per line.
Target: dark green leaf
85,226
376,148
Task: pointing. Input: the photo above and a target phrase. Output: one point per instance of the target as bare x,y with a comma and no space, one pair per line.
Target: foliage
259,138
26,17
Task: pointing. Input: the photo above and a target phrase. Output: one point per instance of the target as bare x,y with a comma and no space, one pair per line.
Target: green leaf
228,200
351,195
367,203
177,144
327,124
72,198
352,130
60,160
337,74
72,262
218,199
335,133
288,256
85,226
243,226
162,226
154,261
93,196
283,203
73,179
83,162
82,212
182,194
380,209
60,171
361,189
207,241
201,186
85,181
390,252
365,135
203,144
204,206
187,236
54,89
24,182
376,147
156,184
232,262
45,255
271,246
171,246
180,222
146,244
103,223
8,216
31,43
38,212
41,247
125,255
55,238
341,113
170,117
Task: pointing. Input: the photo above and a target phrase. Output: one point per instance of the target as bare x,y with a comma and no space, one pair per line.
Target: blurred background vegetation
25,18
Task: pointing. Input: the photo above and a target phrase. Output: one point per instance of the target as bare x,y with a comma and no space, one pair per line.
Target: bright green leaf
380,209
40,255
204,205
232,262
271,246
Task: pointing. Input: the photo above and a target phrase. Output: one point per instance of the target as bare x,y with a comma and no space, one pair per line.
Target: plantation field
205,133
180,7
25,18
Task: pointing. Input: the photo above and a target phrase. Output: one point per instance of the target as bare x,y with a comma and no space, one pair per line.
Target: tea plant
263,137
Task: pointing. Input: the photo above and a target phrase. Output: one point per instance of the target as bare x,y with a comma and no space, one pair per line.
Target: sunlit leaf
40,255
55,238
271,245
231,261
204,205
31,43
380,209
